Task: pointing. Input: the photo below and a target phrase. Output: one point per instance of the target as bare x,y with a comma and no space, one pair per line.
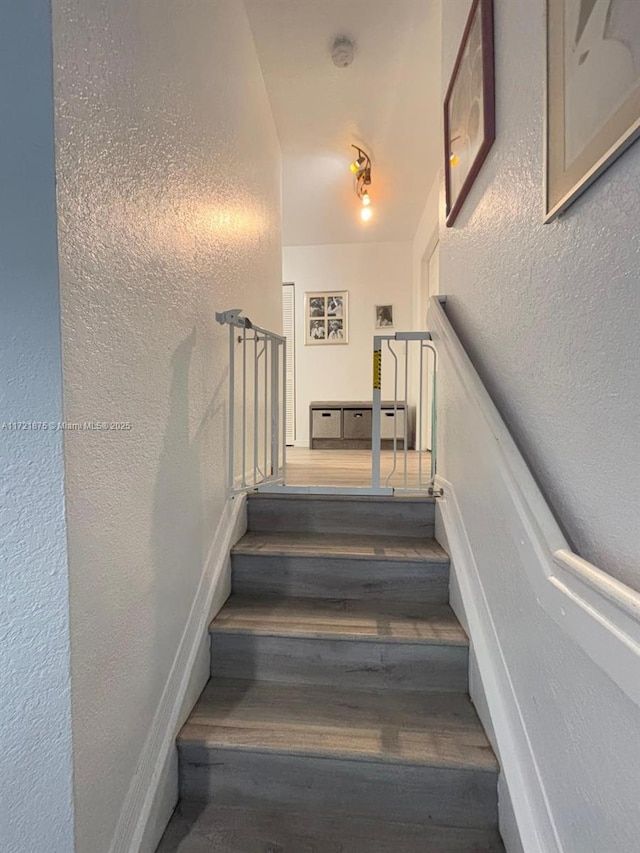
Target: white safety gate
257,404
413,360
405,362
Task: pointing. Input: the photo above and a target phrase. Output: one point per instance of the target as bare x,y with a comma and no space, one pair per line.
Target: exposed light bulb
366,198
454,159
366,213
355,168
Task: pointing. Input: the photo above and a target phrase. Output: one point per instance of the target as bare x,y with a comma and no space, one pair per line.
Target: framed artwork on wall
469,108
384,316
326,316
593,93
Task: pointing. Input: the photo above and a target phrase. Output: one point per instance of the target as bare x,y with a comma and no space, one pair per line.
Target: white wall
548,653
424,242
549,313
374,274
427,232
35,702
169,205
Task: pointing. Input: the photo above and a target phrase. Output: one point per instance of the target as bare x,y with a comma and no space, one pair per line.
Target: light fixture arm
363,175
361,153
361,169
363,158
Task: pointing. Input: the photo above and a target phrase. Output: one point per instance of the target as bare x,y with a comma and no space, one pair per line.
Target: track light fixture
361,168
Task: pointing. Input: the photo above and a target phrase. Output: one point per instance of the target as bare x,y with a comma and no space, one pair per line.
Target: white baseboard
509,829
535,824
153,792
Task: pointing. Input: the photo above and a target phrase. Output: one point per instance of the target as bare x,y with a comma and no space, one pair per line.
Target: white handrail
600,613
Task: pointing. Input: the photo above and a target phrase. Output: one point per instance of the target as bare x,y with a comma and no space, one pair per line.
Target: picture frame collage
326,317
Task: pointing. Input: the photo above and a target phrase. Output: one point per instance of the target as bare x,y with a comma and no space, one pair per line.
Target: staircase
337,718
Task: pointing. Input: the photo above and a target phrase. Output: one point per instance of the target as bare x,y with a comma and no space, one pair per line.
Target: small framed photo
384,316
326,317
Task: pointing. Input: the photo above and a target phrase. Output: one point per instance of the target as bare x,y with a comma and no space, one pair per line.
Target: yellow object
453,159
377,369
355,168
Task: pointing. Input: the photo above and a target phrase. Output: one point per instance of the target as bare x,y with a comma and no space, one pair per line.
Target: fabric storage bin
356,423
393,423
326,423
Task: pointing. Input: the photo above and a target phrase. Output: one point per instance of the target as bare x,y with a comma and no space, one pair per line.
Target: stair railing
257,404
413,478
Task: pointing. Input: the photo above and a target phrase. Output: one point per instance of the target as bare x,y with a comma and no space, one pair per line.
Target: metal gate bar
264,421
422,341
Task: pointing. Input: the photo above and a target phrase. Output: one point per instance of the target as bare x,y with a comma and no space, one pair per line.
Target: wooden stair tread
364,547
430,729
388,621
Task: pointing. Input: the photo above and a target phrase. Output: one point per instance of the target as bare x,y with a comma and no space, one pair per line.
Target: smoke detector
342,52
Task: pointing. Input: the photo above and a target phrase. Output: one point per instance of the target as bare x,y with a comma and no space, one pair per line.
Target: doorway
429,286
337,454
289,332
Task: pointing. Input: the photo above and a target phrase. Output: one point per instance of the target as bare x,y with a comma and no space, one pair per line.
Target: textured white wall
374,274
35,702
549,313
169,205
581,729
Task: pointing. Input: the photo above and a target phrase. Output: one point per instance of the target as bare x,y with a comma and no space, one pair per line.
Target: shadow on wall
188,498
217,405
177,527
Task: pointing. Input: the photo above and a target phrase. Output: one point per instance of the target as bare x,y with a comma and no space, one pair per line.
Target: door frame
291,353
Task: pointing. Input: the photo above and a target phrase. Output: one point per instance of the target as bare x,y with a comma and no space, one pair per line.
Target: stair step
341,642
418,757
388,516
343,565
368,548
436,729
229,829
234,829
391,621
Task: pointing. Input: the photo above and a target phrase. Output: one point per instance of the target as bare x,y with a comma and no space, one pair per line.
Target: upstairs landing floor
352,468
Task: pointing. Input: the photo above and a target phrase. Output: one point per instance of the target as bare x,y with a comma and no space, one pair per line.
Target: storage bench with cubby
348,426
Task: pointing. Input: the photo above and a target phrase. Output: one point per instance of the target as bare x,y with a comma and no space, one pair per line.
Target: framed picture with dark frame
384,316
593,93
326,316
469,108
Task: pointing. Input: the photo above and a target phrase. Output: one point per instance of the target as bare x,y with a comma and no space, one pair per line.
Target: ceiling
388,102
